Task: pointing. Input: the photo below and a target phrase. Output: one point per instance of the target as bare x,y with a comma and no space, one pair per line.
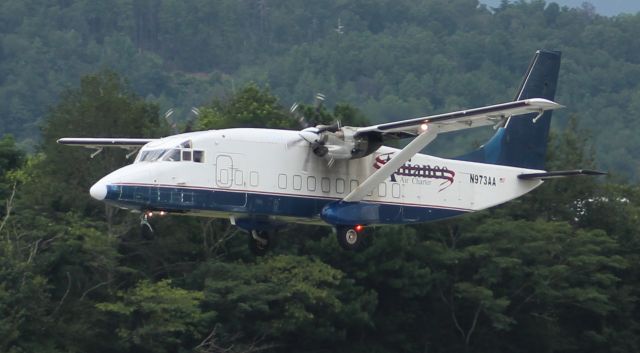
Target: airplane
340,176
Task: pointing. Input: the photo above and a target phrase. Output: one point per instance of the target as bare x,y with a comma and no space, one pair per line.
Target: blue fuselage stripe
181,199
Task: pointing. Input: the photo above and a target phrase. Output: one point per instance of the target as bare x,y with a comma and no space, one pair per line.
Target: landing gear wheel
259,242
351,238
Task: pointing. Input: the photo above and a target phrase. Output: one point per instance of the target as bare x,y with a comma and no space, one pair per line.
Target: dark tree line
391,59
554,271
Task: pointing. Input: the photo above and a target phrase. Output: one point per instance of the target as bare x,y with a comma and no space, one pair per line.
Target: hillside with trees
554,271
391,59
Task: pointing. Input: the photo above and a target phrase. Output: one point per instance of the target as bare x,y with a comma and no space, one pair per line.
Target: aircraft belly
223,203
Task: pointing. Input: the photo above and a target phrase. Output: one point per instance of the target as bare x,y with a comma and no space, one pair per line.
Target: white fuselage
244,173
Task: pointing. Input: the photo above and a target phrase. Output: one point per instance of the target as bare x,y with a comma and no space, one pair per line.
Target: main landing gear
352,238
259,242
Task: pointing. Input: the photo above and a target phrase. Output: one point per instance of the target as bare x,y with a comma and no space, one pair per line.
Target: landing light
151,213
424,127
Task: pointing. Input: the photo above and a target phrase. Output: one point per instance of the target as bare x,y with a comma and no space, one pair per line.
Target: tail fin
521,142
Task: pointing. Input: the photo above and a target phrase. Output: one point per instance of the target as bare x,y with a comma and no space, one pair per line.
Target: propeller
188,123
315,135
169,120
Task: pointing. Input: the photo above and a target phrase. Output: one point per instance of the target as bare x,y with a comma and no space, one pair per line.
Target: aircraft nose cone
98,191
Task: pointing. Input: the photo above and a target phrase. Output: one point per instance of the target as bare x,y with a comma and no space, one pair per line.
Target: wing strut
391,166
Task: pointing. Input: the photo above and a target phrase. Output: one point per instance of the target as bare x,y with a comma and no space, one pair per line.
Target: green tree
103,106
286,300
250,107
156,317
11,158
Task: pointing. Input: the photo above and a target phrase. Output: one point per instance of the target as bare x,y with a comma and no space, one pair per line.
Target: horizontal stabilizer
560,174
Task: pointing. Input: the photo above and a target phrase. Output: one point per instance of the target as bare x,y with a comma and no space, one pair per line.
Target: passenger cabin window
282,181
395,190
340,186
382,189
325,184
238,177
253,178
311,183
354,185
297,182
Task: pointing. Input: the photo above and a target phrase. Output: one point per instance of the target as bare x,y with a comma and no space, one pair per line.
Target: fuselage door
224,171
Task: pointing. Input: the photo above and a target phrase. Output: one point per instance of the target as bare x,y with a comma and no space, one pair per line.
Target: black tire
350,239
259,242
146,231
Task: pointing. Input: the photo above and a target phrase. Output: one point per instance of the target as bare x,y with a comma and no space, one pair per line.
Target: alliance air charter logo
419,174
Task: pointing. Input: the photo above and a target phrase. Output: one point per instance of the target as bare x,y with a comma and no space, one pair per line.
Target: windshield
172,156
151,155
182,152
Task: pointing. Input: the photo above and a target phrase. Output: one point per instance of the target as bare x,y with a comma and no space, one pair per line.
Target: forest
555,271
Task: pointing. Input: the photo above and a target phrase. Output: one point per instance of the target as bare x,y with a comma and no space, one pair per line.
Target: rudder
521,142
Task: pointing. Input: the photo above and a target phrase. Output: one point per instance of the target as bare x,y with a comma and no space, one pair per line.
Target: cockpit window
198,156
172,156
182,152
151,155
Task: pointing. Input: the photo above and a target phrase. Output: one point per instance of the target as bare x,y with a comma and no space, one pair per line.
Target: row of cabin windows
238,177
325,185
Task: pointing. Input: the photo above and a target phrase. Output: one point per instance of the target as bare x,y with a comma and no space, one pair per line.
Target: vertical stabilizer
522,142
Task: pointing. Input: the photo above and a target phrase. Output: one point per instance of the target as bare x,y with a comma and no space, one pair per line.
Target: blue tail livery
522,142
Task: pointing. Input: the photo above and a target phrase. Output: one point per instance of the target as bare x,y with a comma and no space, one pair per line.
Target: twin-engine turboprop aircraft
260,179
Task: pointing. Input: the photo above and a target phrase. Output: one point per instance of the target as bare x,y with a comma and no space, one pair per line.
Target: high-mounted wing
104,142
98,143
428,128
464,119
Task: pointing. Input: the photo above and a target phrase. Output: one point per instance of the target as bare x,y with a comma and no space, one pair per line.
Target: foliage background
391,59
554,271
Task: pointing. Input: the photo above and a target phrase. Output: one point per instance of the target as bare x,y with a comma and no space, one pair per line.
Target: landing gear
145,227
351,238
259,242
145,222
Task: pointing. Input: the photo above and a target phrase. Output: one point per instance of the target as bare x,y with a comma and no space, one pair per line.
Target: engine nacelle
343,144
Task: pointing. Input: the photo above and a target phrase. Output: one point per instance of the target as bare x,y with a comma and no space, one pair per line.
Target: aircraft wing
427,129
104,142
463,119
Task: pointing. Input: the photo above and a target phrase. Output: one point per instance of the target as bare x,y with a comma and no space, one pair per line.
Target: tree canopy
391,59
555,271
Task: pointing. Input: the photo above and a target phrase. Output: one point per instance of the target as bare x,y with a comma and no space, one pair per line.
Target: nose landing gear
145,225
144,222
